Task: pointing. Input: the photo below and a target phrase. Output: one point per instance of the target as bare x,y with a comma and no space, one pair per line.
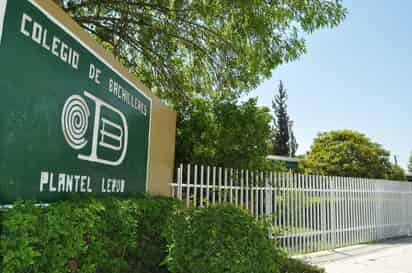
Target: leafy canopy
181,47
190,51
396,173
348,153
225,133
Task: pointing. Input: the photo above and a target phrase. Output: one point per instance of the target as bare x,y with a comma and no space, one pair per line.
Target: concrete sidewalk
391,256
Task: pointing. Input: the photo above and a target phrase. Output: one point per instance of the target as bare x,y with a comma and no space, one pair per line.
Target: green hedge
137,235
220,239
95,235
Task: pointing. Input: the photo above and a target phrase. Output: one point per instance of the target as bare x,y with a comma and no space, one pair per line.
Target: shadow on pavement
341,254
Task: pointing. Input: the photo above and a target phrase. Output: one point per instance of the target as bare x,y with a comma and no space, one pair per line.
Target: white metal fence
309,213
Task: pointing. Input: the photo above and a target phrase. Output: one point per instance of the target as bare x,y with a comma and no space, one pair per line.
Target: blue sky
356,76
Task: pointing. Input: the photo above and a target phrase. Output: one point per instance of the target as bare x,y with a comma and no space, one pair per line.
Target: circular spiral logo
75,121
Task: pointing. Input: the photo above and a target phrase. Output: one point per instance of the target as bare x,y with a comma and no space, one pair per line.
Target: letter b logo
109,138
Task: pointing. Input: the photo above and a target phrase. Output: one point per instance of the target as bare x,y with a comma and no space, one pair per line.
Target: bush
32,240
95,235
289,265
140,235
155,214
220,239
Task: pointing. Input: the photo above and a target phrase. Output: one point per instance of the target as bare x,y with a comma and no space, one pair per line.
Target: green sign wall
69,123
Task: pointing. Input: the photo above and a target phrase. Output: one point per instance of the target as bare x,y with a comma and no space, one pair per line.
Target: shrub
94,235
290,265
143,235
33,240
155,214
18,228
220,239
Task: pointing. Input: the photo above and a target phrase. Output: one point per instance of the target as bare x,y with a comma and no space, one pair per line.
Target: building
290,162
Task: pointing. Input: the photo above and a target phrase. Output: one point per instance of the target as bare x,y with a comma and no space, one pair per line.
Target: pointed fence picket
309,213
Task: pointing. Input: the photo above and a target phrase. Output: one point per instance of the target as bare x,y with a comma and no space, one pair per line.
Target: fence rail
309,213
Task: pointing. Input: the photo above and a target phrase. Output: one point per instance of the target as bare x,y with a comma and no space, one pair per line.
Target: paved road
392,256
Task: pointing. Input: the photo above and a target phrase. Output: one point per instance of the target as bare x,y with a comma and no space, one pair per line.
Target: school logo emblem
109,136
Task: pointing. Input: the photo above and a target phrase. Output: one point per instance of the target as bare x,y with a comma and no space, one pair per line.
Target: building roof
283,158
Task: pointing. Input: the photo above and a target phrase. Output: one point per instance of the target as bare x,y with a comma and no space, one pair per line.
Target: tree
347,153
284,141
396,173
410,163
180,48
188,52
225,133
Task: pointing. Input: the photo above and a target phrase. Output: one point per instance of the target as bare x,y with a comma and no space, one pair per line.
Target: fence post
333,210
323,225
179,182
195,186
275,187
188,185
268,199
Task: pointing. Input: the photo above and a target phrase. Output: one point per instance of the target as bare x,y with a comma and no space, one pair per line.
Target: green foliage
347,153
290,265
279,166
220,239
396,173
155,214
188,51
95,235
281,119
135,235
18,228
284,141
224,133
180,48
